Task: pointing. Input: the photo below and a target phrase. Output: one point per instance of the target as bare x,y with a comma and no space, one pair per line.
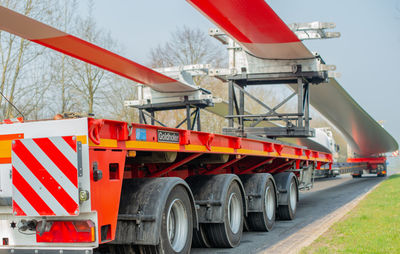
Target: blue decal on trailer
141,134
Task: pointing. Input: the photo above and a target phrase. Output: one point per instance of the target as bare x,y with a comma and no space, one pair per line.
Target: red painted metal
280,167
227,164
257,165
376,160
176,165
253,22
106,192
14,120
255,26
297,164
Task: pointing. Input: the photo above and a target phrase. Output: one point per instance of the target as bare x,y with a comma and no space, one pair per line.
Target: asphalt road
326,196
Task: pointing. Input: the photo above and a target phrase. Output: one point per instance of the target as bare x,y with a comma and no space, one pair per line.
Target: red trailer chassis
114,142
126,174
373,165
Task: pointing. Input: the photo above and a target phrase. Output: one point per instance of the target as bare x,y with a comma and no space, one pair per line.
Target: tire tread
217,233
283,212
256,221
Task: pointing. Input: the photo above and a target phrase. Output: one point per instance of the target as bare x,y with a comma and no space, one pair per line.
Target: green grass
372,227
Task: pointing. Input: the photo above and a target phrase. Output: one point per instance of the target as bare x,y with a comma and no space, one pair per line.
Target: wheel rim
234,213
269,203
177,225
293,196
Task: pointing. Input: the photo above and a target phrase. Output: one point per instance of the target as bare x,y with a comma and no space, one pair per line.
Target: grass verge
372,227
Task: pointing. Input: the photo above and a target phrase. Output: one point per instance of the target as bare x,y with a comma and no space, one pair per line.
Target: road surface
327,196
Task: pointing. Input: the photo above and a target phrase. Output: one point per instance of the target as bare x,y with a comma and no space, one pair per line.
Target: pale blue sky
367,55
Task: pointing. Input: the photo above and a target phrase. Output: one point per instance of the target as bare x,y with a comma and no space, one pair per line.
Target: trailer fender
283,184
209,192
141,208
254,185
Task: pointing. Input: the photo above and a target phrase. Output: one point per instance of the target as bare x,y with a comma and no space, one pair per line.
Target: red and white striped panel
45,176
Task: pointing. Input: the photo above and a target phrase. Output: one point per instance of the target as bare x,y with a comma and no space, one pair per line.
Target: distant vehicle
354,166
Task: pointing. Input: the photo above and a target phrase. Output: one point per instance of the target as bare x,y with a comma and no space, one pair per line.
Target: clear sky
367,55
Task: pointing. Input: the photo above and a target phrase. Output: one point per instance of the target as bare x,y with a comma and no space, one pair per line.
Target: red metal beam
238,158
175,165
279,167
257,165
369,160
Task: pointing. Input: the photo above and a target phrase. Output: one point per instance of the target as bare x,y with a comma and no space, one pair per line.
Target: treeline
40,82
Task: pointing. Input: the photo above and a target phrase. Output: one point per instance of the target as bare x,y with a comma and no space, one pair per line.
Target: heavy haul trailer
372,165
355,166
339,168
75,184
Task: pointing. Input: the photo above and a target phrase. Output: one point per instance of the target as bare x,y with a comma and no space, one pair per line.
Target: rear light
66,232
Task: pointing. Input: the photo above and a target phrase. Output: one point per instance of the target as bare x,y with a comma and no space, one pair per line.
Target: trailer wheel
228,233
287,212
265,220
176,225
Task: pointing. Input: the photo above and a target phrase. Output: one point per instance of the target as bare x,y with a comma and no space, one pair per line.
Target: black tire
200,239
265,220
177,197
288,212
356,176
221,235
246,227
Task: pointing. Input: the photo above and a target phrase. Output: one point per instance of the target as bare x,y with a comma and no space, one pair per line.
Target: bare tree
19,58
115,95
60,69
187,46
87,79
190,46
41,82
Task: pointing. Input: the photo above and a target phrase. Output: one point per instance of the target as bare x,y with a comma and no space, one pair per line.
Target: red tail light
66,232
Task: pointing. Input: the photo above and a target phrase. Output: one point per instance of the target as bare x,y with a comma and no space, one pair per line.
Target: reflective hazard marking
45,176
